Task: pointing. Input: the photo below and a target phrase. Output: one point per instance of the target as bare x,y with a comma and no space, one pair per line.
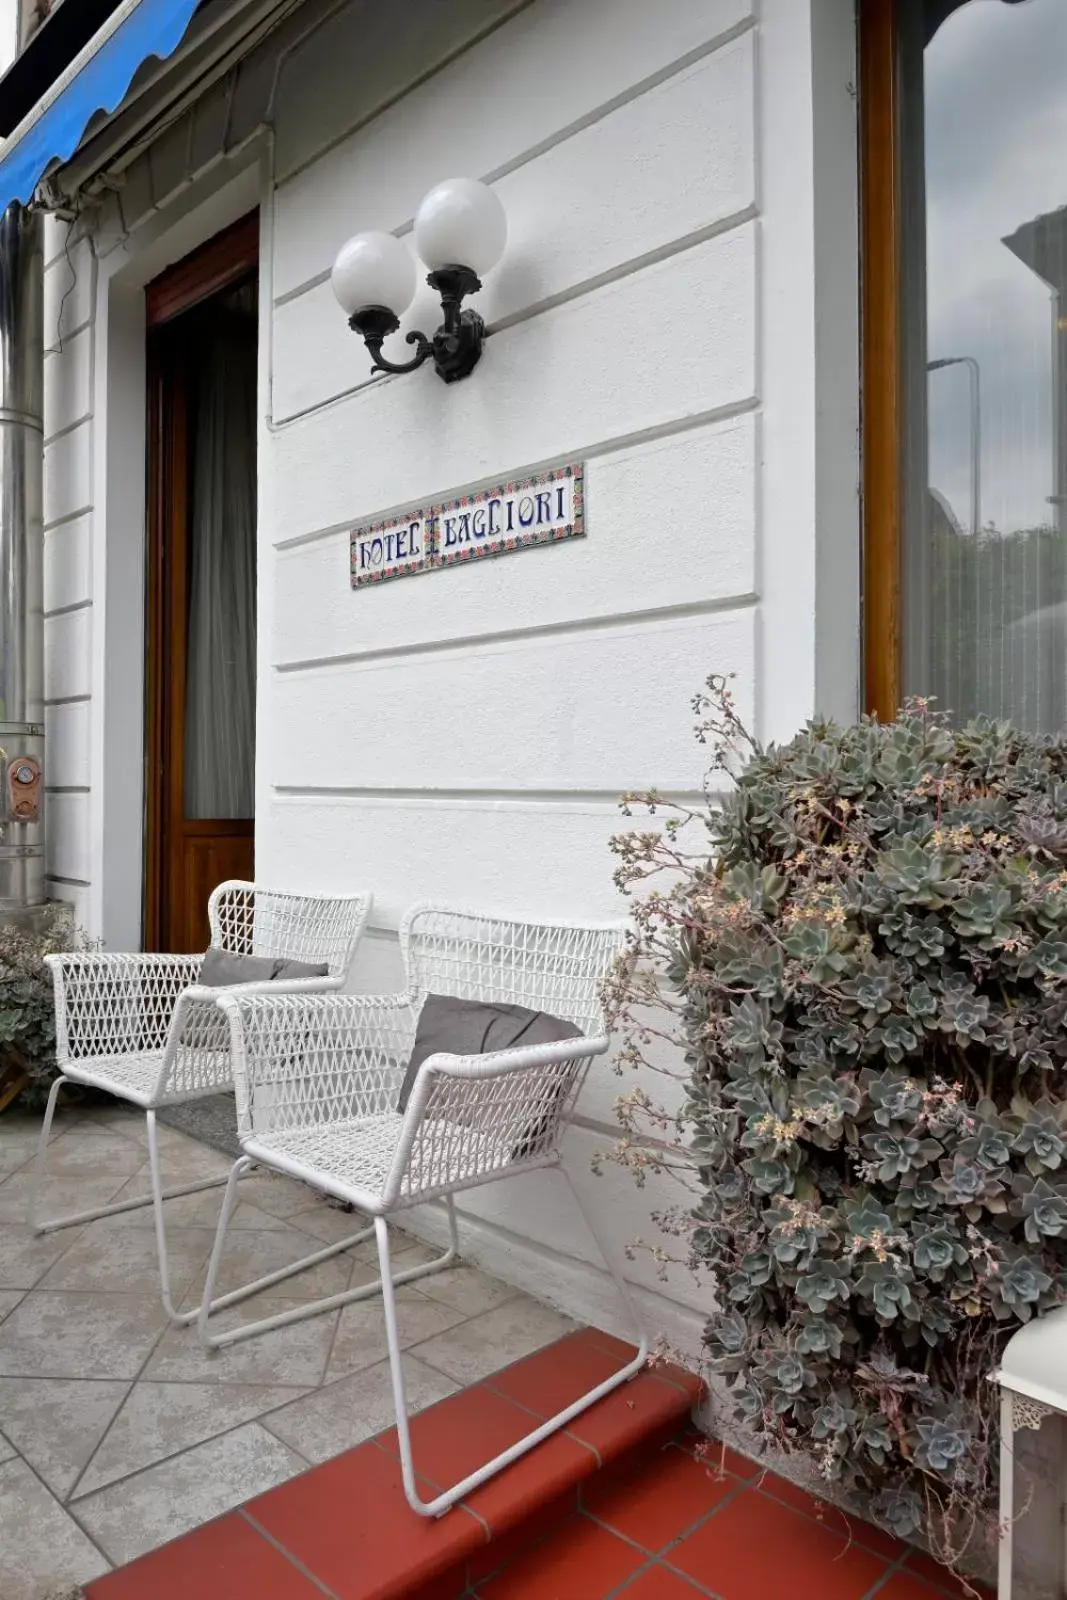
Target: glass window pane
984,203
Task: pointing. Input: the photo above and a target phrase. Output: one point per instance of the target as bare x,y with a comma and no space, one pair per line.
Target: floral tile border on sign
544,508
392,549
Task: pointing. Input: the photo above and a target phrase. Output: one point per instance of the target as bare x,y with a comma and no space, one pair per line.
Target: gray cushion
476,1028
221,969
300,969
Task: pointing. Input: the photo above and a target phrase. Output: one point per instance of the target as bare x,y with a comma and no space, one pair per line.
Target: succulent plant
867,944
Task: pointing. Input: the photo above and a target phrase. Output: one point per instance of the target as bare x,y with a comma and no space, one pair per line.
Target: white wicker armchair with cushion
142,1028
469,1120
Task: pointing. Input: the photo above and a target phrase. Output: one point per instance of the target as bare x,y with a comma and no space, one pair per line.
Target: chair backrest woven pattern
554,967
251,920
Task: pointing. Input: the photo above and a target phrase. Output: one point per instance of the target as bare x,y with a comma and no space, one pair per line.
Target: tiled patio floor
679,1528
657,1521
117,1432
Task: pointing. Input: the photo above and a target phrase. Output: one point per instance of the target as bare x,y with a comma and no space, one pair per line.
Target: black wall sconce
460,232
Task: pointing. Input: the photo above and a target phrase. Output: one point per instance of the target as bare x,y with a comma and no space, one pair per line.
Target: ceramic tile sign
542,509
539,510
391,549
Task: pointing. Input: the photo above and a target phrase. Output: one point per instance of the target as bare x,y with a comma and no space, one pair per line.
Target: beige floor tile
486,1343
161,1419
280,1196
329,1223
60,1197
57,1423
9,1299
75,1335
43,1548
295,1356
20,1126
468,1290
118,1114
15,1153
25,1257
323,1424
121,1260
156,1505
183,1160
413,1250
252,1253
360,1340
188,1210
91,1152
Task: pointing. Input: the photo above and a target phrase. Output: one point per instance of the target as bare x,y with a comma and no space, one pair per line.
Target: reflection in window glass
985,317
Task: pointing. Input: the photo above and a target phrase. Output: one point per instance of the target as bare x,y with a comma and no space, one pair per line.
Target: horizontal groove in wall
61,433
60,349
558,137
523,1244
71,883
69,700
68,516
65,611
576,292
570,626
626,269
564,797
527,469
606,1130
402,94
67,788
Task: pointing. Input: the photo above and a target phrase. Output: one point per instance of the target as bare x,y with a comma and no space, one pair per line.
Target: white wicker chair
317,1079
143,1029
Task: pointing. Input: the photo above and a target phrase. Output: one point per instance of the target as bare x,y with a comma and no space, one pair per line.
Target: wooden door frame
880,272
223,260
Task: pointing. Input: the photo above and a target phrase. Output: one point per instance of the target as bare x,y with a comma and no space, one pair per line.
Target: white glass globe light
374,269
461,223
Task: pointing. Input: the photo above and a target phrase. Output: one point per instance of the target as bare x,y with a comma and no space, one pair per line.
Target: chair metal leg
54,1224
1007,1495
437,1506
314,1308
39,1157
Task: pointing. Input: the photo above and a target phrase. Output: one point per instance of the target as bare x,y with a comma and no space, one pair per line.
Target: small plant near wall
861,943
27,1012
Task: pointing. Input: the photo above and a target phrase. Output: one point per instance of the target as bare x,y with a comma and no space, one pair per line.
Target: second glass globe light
460,223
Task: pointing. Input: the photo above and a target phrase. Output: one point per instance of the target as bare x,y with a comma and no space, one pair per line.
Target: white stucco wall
672,175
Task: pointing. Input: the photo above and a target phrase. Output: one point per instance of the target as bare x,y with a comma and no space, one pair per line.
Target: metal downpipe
22,800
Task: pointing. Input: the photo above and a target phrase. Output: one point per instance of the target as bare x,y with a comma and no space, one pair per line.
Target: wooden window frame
224,259
882,438
220,261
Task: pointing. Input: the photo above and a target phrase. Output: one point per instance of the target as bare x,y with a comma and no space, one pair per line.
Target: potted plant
27,1011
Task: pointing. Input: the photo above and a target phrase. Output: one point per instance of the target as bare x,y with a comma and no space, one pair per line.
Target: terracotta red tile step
345,1530
629,1503
688,1522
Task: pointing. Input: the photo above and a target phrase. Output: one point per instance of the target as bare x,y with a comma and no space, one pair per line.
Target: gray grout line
281,1549
72,1492
661,1557
460,1505
66,1509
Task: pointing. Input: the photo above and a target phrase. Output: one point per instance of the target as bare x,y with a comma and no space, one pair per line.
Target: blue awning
96,80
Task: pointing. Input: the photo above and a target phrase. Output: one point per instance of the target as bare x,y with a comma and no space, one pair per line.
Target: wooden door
187,852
